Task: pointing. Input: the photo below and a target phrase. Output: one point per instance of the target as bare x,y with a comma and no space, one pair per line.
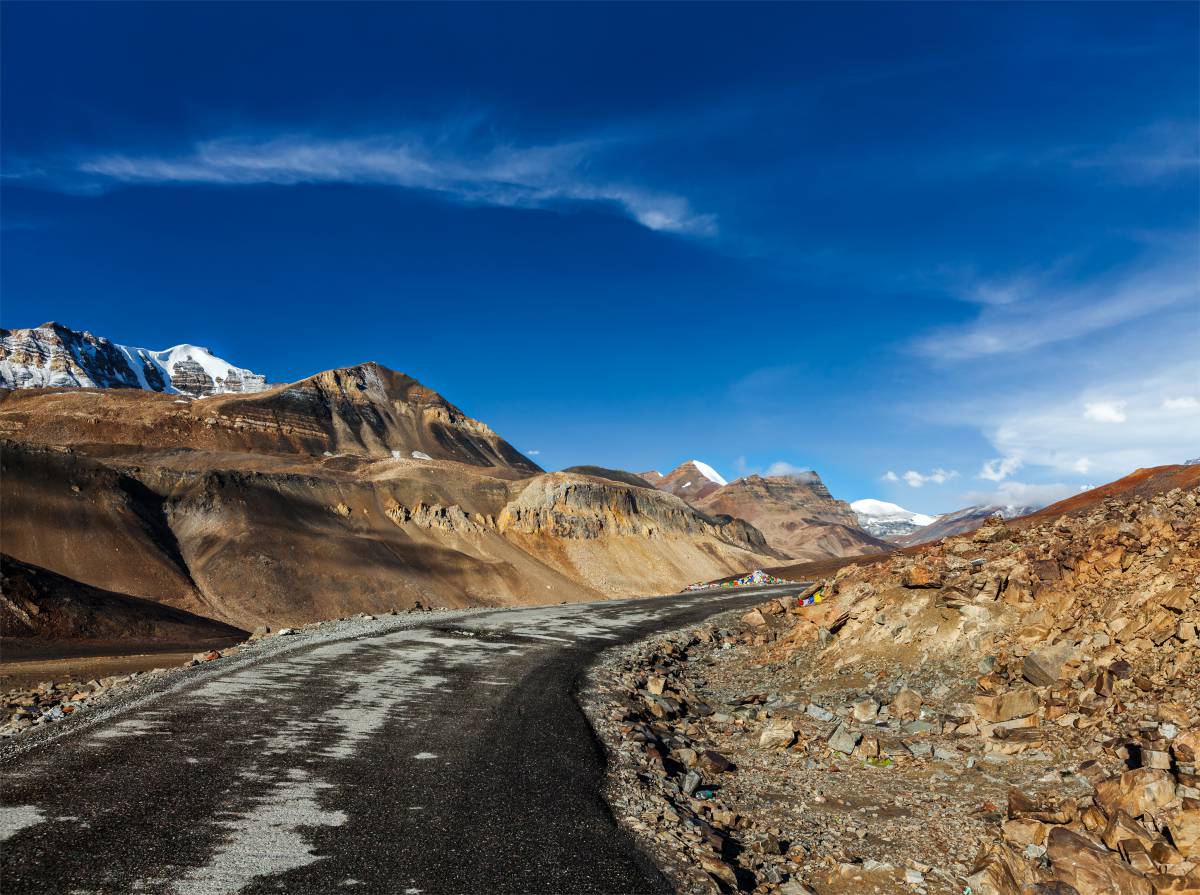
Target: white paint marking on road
15,818
267,839
425,756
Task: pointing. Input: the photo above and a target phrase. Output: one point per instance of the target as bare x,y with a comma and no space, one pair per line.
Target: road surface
447,757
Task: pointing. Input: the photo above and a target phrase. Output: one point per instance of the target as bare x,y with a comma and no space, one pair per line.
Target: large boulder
778,732
1044,666
1091,869
1006,706
1185,832
1137,792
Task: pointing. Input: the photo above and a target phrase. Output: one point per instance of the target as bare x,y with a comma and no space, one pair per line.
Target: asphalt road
447,757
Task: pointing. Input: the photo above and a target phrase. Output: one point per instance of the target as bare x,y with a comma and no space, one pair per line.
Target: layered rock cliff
53,355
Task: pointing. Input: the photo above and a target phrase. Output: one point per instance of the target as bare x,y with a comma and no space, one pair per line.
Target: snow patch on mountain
708,472
888,520
55,356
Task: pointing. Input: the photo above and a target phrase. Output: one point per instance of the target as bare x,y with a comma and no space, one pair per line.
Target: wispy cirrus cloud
1030,314
1161,150
460,168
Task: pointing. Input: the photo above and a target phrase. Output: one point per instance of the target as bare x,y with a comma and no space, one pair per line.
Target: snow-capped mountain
888,520
691,480
964,520
55,356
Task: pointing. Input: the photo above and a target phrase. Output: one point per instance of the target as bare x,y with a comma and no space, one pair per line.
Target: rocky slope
53,355
797,515
616,475
1009,712
354,490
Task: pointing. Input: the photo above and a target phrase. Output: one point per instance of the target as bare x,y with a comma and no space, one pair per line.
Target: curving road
446,757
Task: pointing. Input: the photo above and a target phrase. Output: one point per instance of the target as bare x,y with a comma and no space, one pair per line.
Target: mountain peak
707,471
55,356
692,480
888,520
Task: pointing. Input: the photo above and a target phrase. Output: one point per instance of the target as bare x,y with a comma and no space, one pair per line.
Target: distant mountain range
888,520
55,356
796,513
353,490
961,521
794,516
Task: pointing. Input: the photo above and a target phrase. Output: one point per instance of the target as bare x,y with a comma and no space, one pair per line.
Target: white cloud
1105,411
890,476
779,468
1029,313
533,453
1048,430
448,163
1187,402
937,476
782,467
999,469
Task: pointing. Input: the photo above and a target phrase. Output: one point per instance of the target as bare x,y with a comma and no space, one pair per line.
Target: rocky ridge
358,489
797,515
1013,712
55,356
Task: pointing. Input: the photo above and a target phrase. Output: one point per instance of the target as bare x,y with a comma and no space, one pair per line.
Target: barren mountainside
354,490
796,514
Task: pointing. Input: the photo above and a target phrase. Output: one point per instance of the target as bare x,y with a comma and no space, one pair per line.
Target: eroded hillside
353,490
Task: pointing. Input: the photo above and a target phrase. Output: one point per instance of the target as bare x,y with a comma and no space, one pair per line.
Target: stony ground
1009,712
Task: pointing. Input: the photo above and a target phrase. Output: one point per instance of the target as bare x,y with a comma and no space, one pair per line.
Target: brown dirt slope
1141,483
617,475
37,603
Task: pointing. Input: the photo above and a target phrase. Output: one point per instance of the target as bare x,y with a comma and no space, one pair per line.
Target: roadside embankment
1006,712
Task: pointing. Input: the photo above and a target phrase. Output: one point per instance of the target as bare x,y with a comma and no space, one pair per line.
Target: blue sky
940,253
